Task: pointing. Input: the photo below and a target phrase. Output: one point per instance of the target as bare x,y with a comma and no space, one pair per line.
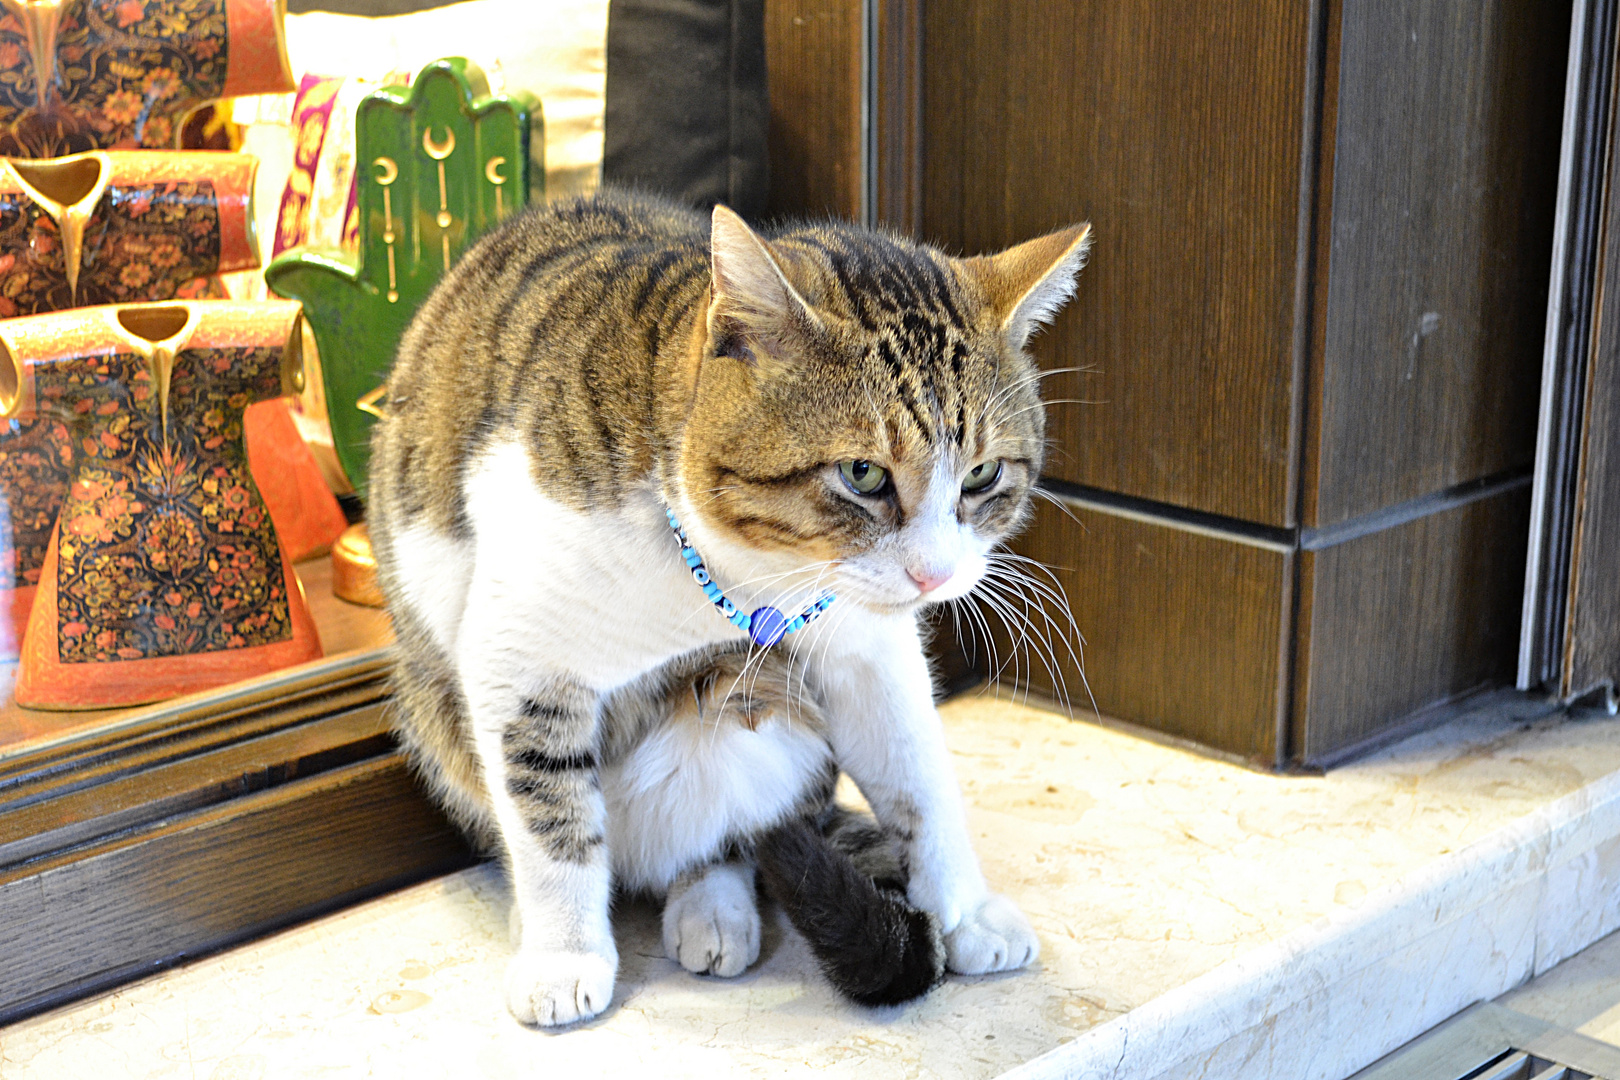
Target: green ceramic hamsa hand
438,165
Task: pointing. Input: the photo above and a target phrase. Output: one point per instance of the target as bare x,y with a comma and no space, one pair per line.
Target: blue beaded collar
766,625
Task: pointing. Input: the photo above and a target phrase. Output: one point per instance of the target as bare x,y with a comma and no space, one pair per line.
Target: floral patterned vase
164,575
98,228
104,74
306,514
121,227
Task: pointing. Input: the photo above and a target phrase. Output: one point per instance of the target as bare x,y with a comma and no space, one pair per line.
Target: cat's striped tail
847,897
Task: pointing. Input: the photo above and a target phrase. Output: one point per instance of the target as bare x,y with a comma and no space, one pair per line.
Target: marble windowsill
1197,919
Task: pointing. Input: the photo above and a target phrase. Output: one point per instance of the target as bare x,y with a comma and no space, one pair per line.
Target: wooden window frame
191,825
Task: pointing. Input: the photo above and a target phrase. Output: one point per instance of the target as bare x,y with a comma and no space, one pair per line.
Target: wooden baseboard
1284,648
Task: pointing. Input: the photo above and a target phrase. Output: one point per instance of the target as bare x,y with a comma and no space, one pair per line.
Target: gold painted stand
354,569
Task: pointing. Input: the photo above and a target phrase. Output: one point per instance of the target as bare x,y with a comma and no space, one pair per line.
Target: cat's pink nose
928,580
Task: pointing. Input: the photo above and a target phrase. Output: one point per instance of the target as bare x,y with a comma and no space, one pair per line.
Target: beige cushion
554,49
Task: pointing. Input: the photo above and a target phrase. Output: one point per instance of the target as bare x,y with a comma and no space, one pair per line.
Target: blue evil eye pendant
766,625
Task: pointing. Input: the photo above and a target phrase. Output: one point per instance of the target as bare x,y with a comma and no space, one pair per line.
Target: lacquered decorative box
164,574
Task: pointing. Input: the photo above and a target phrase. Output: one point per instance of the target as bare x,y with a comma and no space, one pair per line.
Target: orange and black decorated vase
125,74
164,575
121,227
98,228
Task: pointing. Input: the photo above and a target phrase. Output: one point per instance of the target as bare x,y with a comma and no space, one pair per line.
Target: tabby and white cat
825,409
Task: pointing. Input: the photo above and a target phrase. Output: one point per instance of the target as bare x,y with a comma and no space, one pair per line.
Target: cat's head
869,403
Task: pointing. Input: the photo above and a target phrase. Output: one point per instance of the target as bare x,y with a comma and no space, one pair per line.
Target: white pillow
554,49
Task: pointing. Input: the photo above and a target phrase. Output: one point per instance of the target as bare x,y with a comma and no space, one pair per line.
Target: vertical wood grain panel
1593,641
813,55
898,114
1443,194
1182,629
1406,618
1177,129
1592,636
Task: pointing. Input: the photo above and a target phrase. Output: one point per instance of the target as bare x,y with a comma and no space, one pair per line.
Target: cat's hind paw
556,988
712,926
996,937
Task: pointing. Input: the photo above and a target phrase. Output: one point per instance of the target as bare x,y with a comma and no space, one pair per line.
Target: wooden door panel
1446,162
1177,129
1407,617
1184,629
813,55
1592,646
1593,651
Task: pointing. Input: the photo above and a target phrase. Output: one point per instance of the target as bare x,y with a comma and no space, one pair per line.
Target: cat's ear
1030,283
751,293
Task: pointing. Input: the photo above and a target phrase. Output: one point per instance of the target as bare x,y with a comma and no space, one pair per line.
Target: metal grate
1489,1042
1518,1065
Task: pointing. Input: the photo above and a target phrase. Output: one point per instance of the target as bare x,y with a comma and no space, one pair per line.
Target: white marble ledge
1197,920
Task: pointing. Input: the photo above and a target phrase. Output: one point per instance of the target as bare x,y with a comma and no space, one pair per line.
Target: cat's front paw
712,927
996,937
551,988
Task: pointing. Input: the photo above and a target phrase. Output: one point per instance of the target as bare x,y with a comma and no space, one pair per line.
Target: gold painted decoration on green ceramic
441,163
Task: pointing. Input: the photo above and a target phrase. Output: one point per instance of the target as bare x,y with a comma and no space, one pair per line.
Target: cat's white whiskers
826,636
754,658
968,606
1041,637
1008,564
753,663
1053,592
987,598
981,625
1037,648
830,620
1041,493
1026,634
716,492
954,606
1000,574
1043,404
1027,379
963,612
1000,392
810,568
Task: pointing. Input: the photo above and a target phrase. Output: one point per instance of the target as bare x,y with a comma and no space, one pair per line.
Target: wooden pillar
1297,449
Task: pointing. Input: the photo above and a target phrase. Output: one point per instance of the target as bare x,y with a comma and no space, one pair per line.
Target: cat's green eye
863,477
981,476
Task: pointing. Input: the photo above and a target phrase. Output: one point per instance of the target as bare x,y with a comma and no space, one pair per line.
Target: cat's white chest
603,595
